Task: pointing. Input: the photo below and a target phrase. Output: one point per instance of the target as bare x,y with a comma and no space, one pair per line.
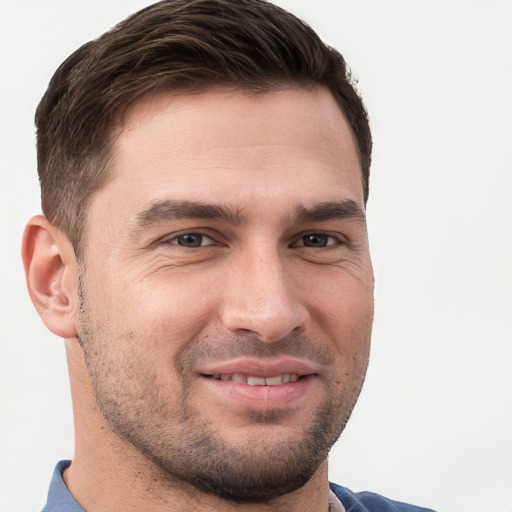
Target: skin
277,282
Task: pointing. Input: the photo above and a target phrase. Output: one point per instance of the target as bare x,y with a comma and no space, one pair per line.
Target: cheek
172,308
343,306
344,316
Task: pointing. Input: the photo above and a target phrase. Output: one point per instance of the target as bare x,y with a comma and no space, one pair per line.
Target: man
204,173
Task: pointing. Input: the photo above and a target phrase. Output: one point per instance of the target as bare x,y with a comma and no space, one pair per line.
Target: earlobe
50,271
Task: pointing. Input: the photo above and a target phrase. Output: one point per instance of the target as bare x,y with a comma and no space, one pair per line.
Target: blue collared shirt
59,498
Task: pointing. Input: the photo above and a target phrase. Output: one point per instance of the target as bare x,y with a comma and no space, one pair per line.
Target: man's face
227,289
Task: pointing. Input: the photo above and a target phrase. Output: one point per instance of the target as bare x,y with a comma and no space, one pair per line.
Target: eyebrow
331,210
168,209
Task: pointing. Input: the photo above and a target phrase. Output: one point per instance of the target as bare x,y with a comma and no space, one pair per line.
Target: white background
434,422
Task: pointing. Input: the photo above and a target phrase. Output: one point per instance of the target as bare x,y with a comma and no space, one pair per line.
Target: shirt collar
59,498
335,504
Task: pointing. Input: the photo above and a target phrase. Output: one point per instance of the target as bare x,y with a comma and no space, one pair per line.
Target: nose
261,298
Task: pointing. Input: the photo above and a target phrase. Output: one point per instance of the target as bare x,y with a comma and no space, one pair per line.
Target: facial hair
180,442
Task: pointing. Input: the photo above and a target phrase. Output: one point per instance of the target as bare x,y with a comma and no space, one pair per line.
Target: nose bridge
262,296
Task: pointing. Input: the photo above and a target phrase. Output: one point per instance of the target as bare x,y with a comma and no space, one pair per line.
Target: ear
51,274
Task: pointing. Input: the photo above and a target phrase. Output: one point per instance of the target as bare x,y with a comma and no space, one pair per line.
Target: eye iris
315,240
190,240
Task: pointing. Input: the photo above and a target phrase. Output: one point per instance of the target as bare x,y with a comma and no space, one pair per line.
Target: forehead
231,146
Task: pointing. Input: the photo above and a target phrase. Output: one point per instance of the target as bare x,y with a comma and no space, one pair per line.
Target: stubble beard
211,464
190,451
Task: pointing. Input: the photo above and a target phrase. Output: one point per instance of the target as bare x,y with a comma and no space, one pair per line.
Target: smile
259,384
258,381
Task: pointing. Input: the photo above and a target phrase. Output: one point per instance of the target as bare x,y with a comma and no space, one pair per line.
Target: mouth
255,384
253,380
259,372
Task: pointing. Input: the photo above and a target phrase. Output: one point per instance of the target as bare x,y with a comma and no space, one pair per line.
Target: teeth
274,381
258,381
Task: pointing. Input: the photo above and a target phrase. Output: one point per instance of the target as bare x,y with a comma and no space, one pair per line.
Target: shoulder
371,502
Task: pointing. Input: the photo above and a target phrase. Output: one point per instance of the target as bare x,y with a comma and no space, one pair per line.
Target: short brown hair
182,46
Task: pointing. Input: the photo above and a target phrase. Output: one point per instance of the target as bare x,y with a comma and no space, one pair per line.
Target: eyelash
173,239
330,240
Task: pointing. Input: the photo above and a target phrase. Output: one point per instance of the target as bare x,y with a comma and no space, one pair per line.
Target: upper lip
260,367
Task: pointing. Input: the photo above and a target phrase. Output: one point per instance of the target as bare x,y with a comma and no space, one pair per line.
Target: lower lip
261,397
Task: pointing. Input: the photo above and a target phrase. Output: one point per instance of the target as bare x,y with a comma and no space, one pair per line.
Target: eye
317,240
191,240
